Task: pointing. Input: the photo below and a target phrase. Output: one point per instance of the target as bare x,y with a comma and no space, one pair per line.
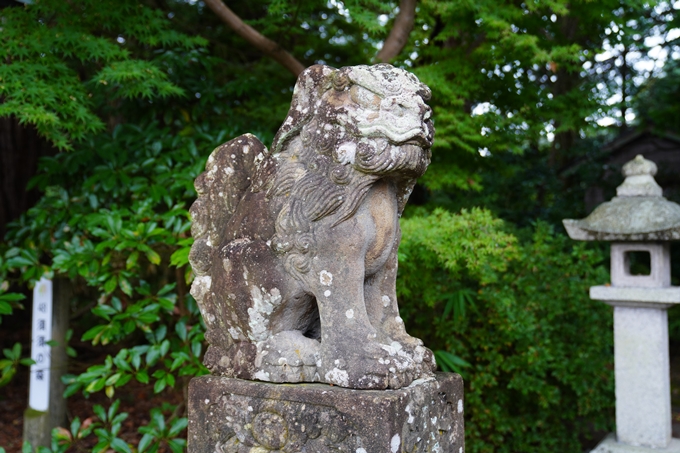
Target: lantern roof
638,212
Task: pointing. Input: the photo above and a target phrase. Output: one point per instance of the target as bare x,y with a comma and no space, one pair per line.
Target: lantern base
610,445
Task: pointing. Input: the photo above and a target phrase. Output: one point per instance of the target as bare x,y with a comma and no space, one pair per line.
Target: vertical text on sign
39,396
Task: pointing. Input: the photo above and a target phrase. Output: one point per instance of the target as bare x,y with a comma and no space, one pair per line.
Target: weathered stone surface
236,416
295,250
636,297
610,445
638,213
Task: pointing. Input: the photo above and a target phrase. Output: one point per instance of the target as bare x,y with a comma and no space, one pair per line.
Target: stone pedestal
237,416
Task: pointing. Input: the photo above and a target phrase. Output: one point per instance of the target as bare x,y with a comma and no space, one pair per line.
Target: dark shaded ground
136,399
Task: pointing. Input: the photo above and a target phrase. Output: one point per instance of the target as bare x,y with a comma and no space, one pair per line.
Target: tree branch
263,44
398,36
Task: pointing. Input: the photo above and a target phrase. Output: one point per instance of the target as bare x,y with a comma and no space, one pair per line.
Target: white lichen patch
411,418
460,406
261,375
395,443
201,286
263,305
229,171
346,153
399,320
338,376
327,293
236,334
360,450
386,301
325,278
393,348
349,313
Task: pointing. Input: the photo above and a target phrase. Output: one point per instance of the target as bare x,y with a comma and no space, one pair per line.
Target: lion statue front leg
381,303
363,340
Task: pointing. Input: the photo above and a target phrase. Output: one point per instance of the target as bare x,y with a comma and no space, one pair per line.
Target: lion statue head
346,128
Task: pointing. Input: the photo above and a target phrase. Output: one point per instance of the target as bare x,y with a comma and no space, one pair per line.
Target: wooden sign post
46,404
41,333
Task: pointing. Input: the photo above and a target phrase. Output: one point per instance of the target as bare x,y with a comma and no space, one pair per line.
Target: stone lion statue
295,251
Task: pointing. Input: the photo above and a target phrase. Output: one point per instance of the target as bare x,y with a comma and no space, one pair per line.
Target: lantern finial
639,182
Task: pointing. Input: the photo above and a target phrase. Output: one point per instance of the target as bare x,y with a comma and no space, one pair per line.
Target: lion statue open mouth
295,250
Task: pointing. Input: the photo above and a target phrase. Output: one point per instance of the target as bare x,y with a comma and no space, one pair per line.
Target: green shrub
535,352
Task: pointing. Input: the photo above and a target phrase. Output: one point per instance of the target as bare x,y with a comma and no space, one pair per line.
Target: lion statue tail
230,170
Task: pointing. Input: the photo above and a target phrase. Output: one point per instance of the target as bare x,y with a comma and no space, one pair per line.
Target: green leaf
111,284
180,257
153,355
120,446
75,426
99,412
178,426
132,260
142,376
159,385
125,285
153,257
145,442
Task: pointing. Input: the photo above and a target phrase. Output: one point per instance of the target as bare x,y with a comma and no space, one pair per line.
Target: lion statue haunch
295,250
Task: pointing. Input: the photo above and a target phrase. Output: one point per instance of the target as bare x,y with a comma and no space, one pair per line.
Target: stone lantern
640,221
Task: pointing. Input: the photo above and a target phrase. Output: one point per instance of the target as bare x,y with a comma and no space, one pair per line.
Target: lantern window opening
637,263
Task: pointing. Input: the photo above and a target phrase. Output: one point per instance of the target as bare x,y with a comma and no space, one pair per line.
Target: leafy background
130,97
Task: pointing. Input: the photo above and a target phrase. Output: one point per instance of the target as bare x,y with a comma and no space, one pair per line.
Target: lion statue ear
311,84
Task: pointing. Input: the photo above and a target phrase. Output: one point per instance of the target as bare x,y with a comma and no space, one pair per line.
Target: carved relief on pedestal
263,425
236,416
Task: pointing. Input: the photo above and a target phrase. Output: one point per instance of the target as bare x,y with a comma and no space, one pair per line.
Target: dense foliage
137,94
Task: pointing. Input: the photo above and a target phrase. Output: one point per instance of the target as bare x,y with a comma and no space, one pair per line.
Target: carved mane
326,166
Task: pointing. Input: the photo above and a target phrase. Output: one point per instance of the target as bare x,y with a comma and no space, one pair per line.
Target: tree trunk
20,149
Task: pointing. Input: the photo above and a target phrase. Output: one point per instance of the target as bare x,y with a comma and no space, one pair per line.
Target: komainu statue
295,251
